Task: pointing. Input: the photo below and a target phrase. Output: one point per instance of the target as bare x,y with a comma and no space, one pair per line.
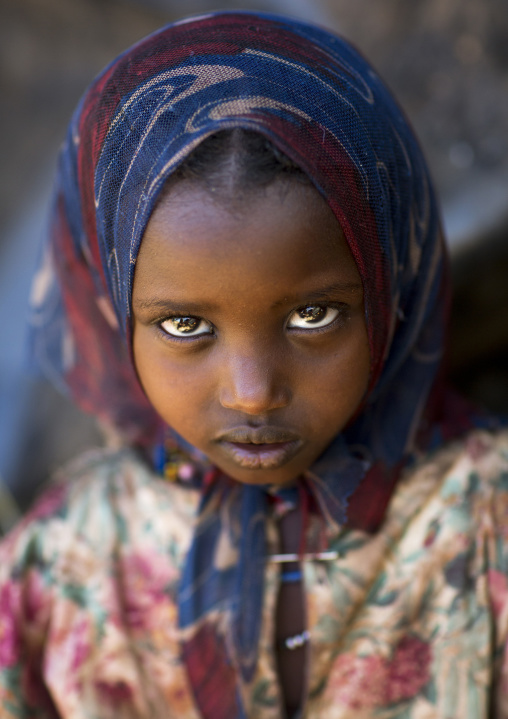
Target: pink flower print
498,589
146,581
9,640
34,687
114,694
367,682
408,670
35,607
359,682
116,679
80,645
432,533
477,445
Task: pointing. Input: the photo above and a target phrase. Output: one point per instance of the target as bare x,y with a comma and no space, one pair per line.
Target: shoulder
78,501
482,457
476,482
453,504
106,538
96,503
476,465
457,495
474,471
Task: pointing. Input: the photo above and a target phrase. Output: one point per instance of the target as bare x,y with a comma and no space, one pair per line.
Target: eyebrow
324,293
168,305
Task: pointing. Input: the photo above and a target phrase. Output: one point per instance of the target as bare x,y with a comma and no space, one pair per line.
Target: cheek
340,382
177,390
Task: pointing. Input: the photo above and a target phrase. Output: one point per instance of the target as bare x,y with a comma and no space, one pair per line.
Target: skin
258,385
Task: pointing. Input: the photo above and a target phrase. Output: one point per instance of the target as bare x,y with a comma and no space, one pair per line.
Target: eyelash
341,317
168,337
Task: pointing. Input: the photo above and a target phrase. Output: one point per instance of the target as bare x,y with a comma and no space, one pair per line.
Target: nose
253,383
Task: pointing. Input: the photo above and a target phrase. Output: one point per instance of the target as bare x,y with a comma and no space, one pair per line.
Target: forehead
277,240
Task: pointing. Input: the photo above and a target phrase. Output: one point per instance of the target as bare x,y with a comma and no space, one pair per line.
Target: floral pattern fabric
410,622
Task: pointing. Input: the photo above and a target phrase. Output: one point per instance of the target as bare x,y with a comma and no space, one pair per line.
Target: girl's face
249,327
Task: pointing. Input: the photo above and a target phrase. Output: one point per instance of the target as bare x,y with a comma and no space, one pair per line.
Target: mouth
260,447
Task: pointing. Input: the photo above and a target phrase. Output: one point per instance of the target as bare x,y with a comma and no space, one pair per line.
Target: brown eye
313,316
186,326
312,313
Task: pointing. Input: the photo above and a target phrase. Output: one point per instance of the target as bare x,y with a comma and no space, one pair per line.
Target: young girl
246,283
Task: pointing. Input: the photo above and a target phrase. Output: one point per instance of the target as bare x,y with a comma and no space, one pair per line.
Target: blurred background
445,60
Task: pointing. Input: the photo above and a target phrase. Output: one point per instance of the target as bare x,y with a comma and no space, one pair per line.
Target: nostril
253,404
254,399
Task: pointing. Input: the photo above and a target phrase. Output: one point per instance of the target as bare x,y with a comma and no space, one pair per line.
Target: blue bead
286,577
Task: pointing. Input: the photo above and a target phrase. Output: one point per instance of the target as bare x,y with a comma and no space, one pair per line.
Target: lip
259,447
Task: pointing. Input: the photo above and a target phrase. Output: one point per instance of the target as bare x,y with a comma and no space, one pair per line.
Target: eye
186,326
313,317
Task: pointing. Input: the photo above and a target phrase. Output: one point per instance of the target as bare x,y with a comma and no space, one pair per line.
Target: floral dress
409,623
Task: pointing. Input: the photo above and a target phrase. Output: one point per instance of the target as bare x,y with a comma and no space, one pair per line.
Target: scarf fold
319,101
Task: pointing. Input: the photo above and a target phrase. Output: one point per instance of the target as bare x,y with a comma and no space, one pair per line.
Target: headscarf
317,100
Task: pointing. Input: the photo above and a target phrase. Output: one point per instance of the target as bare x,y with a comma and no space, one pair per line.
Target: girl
245,282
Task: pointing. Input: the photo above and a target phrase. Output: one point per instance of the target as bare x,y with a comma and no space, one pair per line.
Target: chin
260,477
